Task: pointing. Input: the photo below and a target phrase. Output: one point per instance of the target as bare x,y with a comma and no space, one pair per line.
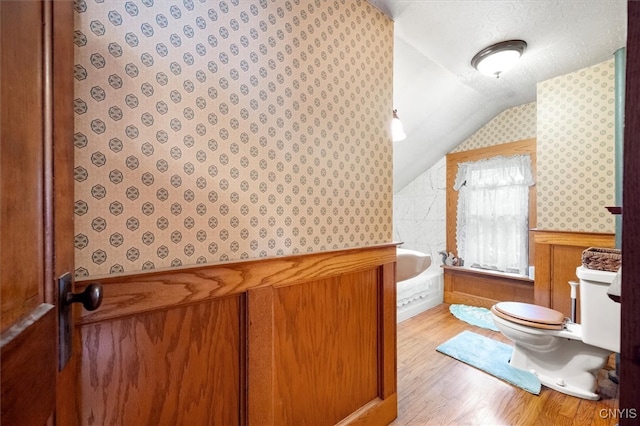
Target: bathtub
420,285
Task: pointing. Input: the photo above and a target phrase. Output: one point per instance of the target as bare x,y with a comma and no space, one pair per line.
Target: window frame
526,146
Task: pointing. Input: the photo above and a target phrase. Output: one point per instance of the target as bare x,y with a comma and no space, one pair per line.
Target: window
493,213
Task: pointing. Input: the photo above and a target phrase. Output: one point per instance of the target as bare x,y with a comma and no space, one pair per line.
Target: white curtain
493,213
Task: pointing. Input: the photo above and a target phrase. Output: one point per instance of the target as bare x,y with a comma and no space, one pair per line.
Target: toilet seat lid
531,315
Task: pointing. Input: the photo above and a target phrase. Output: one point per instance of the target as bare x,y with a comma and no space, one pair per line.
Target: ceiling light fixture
397,130
499,57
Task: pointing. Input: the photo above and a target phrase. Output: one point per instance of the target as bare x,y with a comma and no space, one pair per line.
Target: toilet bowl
564,355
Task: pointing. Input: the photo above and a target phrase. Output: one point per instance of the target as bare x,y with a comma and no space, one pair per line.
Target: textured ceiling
442,100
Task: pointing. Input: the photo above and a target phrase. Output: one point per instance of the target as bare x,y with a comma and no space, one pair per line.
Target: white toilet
565,356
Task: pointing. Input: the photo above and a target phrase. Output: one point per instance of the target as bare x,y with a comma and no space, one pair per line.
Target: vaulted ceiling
442,100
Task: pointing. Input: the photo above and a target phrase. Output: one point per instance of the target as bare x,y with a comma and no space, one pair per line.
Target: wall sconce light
499,57
397,130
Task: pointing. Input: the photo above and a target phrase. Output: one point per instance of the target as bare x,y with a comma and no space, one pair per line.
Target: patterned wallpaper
514,124
576,160
220,130
573,121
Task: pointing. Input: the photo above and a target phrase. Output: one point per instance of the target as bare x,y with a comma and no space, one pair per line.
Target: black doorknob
91,297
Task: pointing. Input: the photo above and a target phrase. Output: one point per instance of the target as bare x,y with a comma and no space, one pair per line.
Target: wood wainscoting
557,255
304,339
485,289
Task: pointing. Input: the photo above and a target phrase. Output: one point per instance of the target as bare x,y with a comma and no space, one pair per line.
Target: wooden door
36,206
630,333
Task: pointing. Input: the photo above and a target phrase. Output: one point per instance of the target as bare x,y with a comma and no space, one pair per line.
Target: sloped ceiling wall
442,99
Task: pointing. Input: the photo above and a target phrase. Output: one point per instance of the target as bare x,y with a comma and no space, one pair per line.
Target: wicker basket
602,259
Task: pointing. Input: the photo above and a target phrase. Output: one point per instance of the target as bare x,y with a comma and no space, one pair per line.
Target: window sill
476,271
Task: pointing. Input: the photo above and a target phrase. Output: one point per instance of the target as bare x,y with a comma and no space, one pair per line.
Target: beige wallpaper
573,121
514,124
209,131
576,150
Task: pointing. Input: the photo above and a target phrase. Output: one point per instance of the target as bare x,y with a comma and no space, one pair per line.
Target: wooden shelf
478,271
614,209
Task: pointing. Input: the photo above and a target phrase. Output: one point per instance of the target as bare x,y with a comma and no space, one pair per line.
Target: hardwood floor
434,389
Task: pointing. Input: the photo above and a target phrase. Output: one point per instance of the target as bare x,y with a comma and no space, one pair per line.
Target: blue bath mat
473,315
489,356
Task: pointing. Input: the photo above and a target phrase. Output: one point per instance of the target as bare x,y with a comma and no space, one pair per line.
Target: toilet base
568,389
573,371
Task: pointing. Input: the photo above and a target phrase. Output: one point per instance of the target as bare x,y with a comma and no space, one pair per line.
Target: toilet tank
599,315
